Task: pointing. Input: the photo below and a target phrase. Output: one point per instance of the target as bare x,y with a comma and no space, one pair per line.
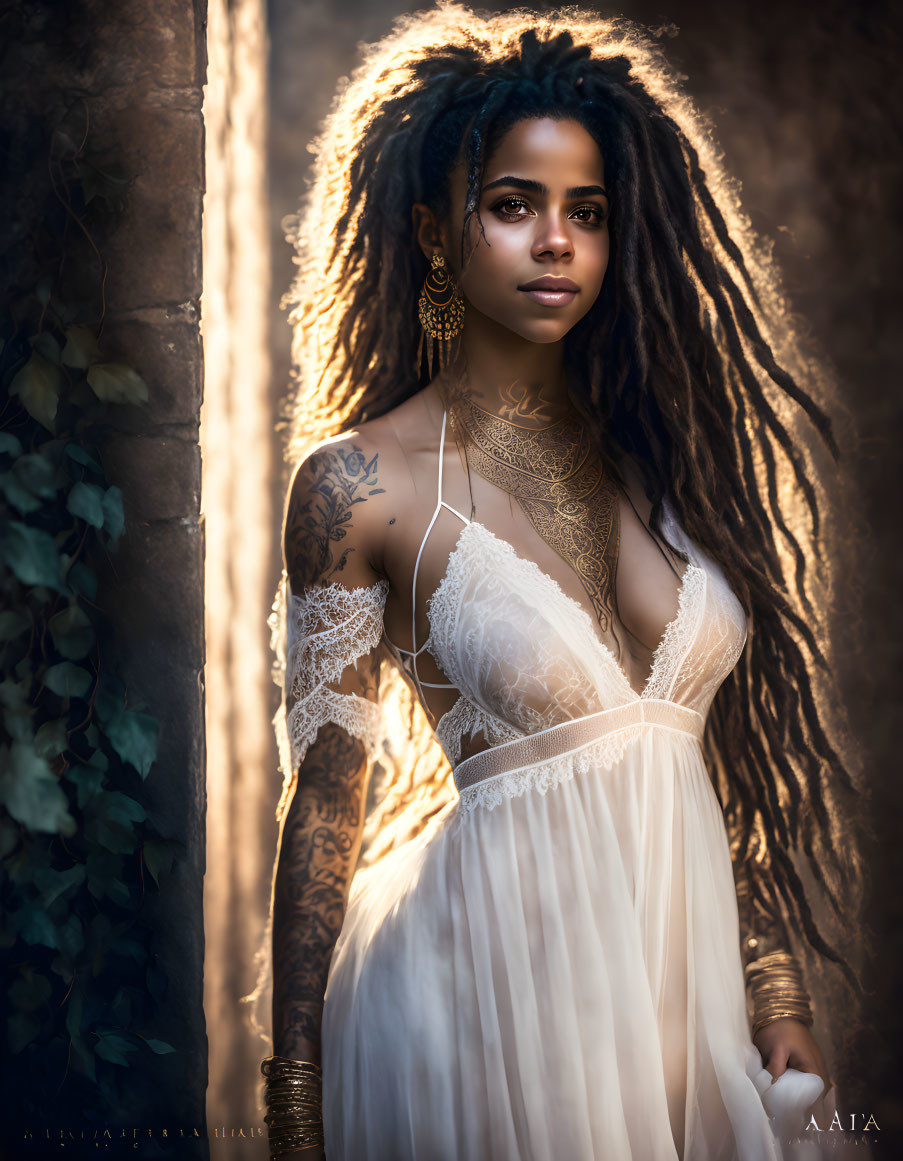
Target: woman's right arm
334,622
318,849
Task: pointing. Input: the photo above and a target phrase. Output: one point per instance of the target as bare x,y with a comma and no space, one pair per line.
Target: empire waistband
570,737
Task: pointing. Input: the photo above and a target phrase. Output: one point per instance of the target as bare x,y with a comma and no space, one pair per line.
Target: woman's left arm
781,1010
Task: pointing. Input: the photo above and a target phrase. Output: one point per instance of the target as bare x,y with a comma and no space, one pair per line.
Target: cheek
497,256
599,253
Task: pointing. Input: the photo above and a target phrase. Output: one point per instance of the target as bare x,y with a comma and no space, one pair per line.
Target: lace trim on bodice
678,636
328,629
480,556
544,776
466,719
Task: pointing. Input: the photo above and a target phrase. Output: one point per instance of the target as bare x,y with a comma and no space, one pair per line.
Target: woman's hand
788,1043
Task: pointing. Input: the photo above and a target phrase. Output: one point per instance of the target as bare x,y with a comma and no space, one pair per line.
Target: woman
565,502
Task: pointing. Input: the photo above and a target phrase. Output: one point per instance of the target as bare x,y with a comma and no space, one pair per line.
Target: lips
550,282
551,291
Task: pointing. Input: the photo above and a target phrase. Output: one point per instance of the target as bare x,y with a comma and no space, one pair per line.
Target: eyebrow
530,186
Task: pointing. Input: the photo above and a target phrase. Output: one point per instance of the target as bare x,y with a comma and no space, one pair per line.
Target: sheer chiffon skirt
557,978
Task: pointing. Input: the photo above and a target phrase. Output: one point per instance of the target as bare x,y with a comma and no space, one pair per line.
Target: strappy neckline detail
690,576
414,653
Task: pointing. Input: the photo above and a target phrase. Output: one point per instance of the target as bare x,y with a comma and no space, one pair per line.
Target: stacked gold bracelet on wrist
775,982
294,1100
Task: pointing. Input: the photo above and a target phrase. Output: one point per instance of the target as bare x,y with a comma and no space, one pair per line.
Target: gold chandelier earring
441,312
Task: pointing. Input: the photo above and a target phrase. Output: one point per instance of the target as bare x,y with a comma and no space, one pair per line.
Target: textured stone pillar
147,67
136,68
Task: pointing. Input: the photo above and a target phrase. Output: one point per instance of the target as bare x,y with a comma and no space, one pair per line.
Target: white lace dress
551,970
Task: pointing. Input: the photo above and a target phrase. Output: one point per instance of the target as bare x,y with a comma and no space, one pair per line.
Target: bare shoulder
339,504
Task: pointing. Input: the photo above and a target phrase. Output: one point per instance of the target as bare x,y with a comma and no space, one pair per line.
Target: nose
552,238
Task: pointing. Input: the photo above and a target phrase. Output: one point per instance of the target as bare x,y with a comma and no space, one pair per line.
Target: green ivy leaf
122,1006
50,739
16,711
98,758
81,349
82,580
81,456
32,555
87,780
20,498
30,792
52,883
9,444
38,386
118,807
158,858
117,383
68,680
159,1046
133,736
114,1048
47,345
14,694
105,880
118,892
71,937
114,519
72,632
113,837
86,502
111,817
36,473
36,926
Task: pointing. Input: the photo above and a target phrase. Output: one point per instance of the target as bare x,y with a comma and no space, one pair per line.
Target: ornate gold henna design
561,484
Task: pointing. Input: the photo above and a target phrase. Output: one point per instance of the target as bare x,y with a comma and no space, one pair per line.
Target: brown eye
599,215
510,201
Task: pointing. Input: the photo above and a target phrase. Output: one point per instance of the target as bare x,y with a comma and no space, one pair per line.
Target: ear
428,232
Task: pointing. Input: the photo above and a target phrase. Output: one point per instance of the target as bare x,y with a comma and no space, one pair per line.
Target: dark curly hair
687,362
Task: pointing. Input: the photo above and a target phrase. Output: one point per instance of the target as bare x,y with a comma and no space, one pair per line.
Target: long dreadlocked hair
687,361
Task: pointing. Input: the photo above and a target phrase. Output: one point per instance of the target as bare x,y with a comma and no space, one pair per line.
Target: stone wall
136,68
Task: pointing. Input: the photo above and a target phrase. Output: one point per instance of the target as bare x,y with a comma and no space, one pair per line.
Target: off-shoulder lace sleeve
318,637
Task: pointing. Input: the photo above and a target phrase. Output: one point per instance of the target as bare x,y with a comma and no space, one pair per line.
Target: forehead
556,151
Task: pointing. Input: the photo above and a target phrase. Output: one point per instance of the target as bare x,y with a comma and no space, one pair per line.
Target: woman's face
545,216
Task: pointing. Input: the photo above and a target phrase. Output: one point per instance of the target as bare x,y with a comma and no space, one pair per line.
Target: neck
504,374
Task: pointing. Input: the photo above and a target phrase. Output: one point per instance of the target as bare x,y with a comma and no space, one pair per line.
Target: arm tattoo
337,478
318,850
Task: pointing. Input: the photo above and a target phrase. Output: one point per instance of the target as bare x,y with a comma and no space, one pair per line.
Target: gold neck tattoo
560,483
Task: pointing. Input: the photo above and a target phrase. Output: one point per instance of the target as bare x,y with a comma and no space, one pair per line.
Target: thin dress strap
414,653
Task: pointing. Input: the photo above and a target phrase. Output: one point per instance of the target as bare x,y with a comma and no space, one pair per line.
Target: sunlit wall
239,454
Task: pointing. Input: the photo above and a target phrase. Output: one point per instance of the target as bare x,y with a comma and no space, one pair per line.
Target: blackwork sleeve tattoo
333,482
319,845
322,827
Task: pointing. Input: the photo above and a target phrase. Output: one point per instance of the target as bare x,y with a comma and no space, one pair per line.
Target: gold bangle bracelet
761,1023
